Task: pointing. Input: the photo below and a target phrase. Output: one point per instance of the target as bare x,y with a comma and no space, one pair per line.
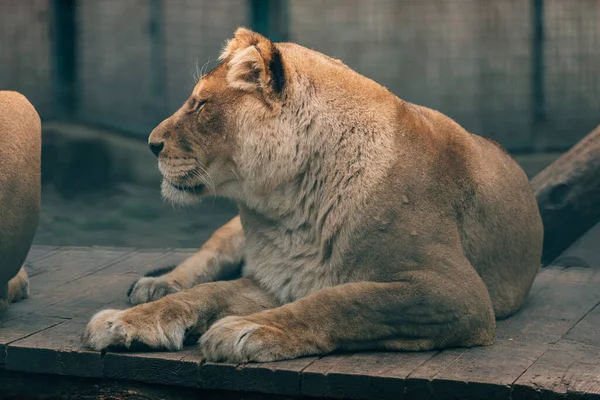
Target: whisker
204,178
211,186
197,78
210,183
205,66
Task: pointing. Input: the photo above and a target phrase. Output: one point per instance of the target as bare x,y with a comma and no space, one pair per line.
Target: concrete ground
101,189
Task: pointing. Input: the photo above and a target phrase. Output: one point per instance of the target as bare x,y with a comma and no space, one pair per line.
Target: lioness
365,222
20,186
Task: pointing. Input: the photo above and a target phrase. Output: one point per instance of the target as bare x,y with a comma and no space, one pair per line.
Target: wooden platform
550,349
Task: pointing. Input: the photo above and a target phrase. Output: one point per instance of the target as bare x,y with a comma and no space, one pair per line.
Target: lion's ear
242,39
247,70
254,62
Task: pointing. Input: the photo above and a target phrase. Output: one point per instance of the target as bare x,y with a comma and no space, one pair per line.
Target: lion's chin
180,196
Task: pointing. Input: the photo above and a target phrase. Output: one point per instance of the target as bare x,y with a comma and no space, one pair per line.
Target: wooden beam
568,195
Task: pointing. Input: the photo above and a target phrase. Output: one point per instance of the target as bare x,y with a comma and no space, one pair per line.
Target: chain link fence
523,72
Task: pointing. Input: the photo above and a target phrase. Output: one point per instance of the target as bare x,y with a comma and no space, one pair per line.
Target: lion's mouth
195,188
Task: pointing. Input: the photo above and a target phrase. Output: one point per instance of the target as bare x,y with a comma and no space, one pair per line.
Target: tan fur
366,222
20,183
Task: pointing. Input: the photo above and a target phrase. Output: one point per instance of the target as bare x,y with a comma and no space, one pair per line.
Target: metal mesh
572,71
485,63
25,51
468,58
138,58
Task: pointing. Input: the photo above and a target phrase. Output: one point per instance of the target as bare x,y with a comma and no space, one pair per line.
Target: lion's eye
194,106
199,105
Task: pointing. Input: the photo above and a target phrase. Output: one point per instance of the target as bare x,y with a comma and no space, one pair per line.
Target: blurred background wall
523,72
103,73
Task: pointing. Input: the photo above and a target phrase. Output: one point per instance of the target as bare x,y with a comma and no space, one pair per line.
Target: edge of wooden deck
549,349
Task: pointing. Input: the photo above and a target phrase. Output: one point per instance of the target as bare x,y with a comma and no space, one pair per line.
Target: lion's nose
156,147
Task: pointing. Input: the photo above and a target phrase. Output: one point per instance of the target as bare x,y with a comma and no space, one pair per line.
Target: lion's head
209,145
255,123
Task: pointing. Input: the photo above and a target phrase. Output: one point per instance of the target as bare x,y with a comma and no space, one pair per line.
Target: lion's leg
167,322
16,289
424,311
219,258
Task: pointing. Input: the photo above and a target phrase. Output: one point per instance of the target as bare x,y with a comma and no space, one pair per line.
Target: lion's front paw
238,340
106,329
151,288
121,329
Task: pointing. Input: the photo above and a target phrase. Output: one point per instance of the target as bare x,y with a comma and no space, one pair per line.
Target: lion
365,222
20,187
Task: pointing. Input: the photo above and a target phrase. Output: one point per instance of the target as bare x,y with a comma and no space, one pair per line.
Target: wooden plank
19,385
80,298
37,252
19,329
124,282
186,368
107,287
314,376
377,375
282,377
83,304
568,368
57,350
588,329
476,373
23,327
154,367
90,292
559,299
583,379
561,305
70,264
419,383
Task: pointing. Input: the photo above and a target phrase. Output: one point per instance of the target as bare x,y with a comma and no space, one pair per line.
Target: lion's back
498,219
20,179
